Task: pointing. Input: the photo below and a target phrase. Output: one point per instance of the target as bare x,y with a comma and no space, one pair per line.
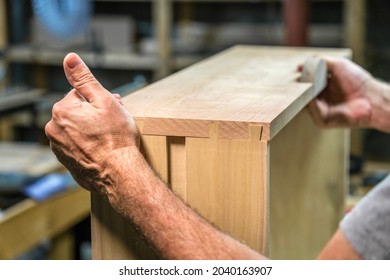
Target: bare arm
338,248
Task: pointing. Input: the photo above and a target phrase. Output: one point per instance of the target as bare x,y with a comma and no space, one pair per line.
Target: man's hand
345,102
89,125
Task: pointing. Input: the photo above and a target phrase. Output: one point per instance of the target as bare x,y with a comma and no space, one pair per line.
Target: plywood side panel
227,184
307,188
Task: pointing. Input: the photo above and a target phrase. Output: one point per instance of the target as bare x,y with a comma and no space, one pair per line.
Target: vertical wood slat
154,148
355,28
355,21
162,13
177,165
225,185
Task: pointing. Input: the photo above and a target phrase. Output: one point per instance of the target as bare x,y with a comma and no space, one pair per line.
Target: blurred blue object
48,186
63,18
11,182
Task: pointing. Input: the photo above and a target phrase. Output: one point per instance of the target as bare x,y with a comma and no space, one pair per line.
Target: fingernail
73,61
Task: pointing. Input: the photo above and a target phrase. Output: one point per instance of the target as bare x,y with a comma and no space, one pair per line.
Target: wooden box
231,137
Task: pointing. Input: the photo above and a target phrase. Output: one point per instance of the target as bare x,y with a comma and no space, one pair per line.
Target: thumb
81,78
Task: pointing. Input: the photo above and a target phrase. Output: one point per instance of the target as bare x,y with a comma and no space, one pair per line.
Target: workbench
231,137
28,223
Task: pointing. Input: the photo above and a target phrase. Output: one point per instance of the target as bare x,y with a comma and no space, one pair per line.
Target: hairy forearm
172,228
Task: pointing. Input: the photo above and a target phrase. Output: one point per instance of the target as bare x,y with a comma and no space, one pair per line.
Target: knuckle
57,109
51,132
49,129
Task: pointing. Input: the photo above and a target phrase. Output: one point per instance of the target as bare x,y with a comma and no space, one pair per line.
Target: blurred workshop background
129,44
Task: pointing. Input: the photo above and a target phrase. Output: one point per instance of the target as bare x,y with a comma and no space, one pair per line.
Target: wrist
133,186
121,170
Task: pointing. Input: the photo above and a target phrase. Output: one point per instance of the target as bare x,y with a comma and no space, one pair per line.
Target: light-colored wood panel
154,149
308,176
225,186
28,223
244,84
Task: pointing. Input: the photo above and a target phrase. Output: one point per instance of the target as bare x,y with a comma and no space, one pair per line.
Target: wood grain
308,179
247,85
224,186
